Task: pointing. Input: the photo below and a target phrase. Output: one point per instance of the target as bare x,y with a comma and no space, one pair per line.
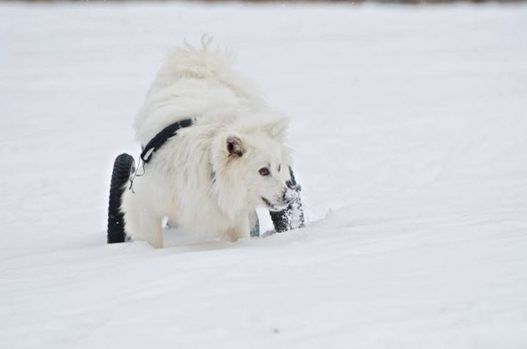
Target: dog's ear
235,146
276,128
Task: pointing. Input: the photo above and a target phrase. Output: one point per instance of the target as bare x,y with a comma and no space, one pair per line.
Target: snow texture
409,126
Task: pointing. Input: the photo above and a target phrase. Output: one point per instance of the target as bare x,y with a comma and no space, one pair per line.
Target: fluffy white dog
210,176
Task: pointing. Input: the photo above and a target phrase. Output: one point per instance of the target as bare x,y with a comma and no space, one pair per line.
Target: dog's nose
293,186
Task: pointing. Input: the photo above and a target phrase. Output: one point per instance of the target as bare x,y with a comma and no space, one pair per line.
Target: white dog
208,177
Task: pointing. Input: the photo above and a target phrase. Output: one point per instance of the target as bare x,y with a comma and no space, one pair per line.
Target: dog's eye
264,171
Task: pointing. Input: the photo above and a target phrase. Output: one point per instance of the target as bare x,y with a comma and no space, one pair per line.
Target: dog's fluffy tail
196,62
203,63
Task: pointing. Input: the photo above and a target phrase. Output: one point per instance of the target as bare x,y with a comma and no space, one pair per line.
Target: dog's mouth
272,207
267,202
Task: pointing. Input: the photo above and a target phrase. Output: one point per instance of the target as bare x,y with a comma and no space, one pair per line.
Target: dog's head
253,165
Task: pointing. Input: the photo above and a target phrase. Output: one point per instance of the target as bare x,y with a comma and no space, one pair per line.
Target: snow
409,128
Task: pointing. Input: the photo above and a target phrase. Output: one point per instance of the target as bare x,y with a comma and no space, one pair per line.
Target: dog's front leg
240,230
151,228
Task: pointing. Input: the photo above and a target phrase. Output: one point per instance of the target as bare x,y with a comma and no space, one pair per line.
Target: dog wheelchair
292,217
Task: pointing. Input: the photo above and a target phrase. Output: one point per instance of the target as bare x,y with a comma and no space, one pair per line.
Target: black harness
155,144
162,137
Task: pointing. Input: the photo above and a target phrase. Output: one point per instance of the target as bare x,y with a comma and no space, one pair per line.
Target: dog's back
191,82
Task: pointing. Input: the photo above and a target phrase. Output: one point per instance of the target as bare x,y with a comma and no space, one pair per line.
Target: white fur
193,179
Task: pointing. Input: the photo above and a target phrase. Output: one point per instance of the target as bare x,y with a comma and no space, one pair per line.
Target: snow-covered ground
409,126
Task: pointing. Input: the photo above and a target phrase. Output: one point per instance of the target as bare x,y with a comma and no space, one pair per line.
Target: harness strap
157,142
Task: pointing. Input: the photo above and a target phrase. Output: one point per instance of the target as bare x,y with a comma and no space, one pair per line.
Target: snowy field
409,126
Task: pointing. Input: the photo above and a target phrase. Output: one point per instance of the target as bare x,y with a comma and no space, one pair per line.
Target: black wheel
292,217
122,168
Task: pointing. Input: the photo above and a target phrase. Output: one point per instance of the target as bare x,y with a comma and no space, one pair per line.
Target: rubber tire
292,217
122,168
